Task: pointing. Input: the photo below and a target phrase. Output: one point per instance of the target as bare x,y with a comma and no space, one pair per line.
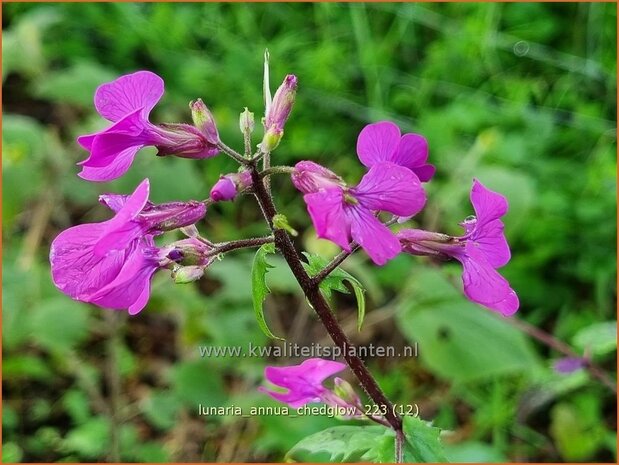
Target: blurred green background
521,96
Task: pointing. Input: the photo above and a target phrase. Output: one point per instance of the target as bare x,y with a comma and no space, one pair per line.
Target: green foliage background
521,96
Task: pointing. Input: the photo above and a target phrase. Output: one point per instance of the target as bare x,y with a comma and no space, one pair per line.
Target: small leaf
335,282
423,443
599,338
260,290
374,444
342,444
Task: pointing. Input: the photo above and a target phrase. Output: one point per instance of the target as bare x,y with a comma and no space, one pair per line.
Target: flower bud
182,140
310,177
204,121
187,274
281,106
189,252
271,139
345,391
246,122
230,185
172,215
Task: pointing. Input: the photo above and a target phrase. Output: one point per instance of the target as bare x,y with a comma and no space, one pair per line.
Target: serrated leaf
260,290
341,444
374,444
423,444
335,282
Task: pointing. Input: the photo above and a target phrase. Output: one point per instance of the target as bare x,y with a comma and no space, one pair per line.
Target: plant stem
333,264
399,451
224,247
565,349
343,255
321,307
232,153
276,170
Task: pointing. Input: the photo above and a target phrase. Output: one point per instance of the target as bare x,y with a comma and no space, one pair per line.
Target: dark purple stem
316,299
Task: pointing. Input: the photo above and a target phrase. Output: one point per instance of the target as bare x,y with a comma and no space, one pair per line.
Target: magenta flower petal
425,172
116,168
120,231
141,90
377,142
326,208
303,382
492,243
129,132
294,399
76,271
130,288
113,201
483,284
412,152
488,205
373,236
392,188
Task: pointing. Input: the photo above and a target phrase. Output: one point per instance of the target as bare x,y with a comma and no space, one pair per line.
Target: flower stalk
319,304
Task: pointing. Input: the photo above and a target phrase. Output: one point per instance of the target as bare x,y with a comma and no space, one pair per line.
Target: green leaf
90,439
459,340
370,444
75,84
335,282
60,323
11,453
342,444
598,339
194,383
423,444
260,290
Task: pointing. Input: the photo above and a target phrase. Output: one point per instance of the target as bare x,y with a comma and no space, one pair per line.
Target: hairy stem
316,299
333,264
232,153
276,170
224,247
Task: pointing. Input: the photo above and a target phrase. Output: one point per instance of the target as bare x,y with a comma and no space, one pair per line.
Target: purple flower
339,212
110,264
281,106
303,382
230,185
278,112
379,142
481,250
568,365
127,103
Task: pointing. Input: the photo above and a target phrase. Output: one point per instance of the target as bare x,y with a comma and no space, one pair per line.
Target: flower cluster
111,263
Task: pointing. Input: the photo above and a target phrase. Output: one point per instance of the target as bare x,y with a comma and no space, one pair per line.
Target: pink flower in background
111,263
481,250
340,213
127,102
303,382
567,365
379,142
